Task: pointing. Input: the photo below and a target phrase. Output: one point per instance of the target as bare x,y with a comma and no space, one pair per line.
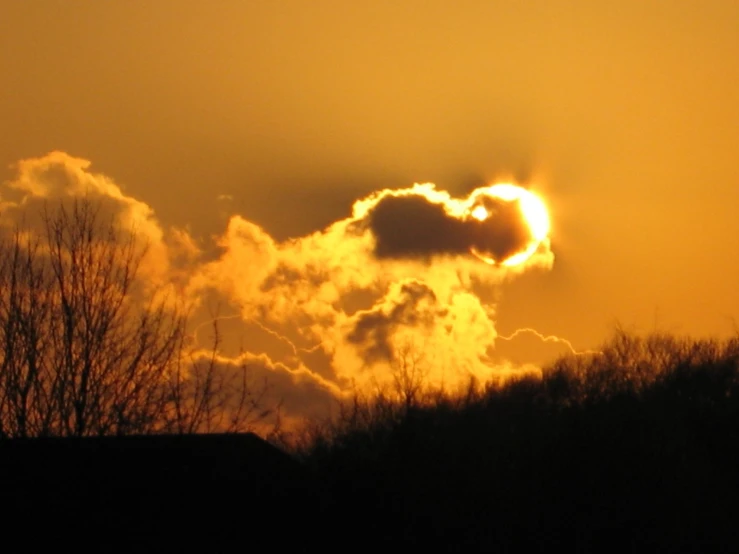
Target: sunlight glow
516,218
479,213
534,212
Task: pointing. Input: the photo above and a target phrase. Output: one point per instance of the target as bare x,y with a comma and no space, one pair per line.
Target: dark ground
580,464
145,493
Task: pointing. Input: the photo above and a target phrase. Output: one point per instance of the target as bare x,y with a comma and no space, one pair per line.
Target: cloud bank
396,275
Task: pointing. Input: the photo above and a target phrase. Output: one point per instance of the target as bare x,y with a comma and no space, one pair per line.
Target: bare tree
410,374
26,305
88,350
204,396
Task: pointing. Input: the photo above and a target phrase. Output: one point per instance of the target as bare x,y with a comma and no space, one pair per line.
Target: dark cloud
413,304
297,392
505,231
412,226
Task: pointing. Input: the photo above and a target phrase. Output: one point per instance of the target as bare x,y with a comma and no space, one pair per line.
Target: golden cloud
394,278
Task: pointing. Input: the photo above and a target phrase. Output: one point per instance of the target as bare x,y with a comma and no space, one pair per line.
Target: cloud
415,225
391,235
61,176
297,392
397,275
399,271
57,177
411,304
448,332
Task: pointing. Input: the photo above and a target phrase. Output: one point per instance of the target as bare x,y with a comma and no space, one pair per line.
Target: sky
244,133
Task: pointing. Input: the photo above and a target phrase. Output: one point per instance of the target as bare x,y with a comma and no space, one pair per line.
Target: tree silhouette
204,398
88,349
619,450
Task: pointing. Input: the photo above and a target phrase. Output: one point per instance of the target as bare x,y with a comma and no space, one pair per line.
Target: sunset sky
243,132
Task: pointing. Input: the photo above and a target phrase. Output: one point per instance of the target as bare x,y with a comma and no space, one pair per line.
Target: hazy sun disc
480,213
533,211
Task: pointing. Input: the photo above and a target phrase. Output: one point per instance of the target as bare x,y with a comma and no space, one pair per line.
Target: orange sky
623,115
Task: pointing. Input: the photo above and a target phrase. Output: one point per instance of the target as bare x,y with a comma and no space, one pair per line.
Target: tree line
633,447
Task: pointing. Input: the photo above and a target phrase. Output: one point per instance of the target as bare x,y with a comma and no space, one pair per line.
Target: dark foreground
148,493
612,459
588,482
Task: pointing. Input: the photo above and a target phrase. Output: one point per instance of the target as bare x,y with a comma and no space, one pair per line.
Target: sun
480,213
533,213
533,208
